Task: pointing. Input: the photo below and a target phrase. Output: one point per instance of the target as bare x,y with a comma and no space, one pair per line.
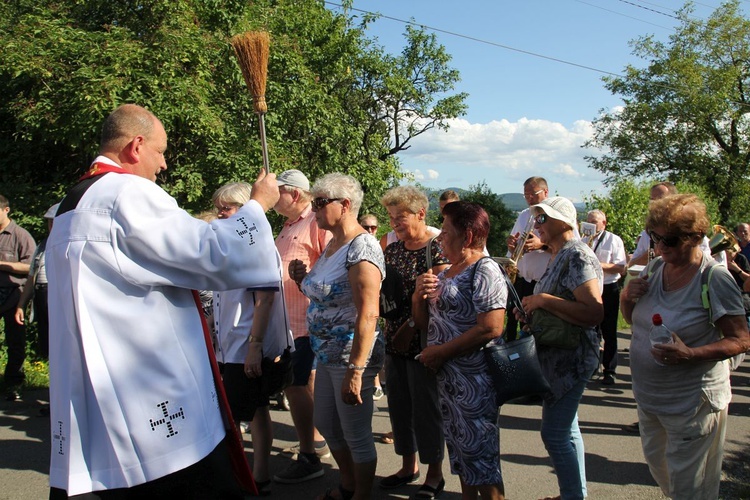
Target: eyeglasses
319,203
671,240
530,195
226,208
540,219
370,228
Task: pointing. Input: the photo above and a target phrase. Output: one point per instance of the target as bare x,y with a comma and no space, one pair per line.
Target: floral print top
574,265
331,315
409,264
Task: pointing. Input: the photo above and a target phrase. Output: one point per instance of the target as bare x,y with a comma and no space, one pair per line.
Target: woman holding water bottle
682,387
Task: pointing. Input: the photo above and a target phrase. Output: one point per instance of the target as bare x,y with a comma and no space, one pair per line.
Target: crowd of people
148,400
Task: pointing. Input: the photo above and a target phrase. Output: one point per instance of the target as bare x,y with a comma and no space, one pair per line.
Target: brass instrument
511,264
723,239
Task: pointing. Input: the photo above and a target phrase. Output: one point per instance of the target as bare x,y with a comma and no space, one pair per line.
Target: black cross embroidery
247,231
167,418
59,437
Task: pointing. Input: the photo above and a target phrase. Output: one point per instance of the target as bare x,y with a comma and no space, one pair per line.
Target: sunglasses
370,228
540,219
225,208
319,203
530,195
668,241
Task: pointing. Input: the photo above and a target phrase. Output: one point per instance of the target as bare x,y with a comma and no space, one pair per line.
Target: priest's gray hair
234,193
336,185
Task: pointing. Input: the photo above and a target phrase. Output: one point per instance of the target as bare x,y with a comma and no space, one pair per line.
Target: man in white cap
300,239
36,288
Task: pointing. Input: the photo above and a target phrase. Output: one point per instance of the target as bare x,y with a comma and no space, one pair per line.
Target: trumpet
723,239
511,264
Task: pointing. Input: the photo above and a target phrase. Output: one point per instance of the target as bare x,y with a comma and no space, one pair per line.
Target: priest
135,408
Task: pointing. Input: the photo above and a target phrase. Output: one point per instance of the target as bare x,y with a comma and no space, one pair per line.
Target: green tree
626,207
685,113
501,218
66,64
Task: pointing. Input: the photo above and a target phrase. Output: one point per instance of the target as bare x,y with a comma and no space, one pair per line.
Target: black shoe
13,395
634,428
394,481
609,379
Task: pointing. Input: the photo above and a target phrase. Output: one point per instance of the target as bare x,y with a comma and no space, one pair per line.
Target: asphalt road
614,461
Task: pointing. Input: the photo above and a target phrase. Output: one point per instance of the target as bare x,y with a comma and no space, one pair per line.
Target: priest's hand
252,360
265,190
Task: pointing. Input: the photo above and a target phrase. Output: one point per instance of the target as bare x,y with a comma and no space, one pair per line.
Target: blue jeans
564,443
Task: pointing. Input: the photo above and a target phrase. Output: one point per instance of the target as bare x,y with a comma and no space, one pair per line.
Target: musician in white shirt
610,251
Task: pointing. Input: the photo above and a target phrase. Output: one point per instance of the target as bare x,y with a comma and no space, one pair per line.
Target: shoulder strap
652,266
708,271
429,253
599,241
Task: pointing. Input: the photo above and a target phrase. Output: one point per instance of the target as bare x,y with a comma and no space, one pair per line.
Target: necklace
670,283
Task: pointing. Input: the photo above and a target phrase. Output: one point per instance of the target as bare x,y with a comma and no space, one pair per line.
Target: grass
37,370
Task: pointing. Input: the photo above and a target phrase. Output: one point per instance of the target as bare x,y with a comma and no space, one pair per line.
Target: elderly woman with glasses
344,289
571,290
682,387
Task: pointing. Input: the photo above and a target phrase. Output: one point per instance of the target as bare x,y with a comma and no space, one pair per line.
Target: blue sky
527,115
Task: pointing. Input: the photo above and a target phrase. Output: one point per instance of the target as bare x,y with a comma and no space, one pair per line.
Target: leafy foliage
501,218
67,63
626,207
686,114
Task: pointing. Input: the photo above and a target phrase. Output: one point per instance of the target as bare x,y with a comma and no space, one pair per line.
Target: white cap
293,178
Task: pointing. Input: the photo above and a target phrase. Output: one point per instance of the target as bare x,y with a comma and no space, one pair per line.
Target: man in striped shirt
300,239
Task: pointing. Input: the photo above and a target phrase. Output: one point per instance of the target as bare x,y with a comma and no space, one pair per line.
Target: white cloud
504,154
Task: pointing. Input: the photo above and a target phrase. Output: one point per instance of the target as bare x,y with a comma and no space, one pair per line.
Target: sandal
387,438
343,494
428,492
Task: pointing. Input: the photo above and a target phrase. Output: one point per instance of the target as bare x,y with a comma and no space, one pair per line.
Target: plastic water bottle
659,333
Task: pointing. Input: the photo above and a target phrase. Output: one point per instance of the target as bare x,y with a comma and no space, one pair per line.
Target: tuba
723,239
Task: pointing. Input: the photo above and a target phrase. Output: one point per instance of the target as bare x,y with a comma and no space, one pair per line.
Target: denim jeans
564,443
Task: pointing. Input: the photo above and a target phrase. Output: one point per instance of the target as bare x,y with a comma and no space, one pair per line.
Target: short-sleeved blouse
332,314
678,389
409,264
574,265
459,301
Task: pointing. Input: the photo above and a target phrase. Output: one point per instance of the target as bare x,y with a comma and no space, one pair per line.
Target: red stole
101,168
240,466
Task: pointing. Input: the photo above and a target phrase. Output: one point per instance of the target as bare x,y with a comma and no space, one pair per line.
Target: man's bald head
123,124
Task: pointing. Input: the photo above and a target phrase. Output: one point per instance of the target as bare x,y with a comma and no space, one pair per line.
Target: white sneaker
377,393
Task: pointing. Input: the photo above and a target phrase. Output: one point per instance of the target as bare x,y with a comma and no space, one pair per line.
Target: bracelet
354,367
255,339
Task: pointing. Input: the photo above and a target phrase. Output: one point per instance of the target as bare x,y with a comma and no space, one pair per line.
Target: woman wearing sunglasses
570,289
344,289
682,389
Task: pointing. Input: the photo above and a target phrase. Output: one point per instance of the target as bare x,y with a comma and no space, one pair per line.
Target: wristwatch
354,367
410,323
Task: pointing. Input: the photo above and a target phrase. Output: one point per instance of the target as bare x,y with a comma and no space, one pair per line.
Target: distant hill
513,201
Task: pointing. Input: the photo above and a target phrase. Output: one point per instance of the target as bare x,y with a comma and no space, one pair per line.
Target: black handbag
515,370
514,366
